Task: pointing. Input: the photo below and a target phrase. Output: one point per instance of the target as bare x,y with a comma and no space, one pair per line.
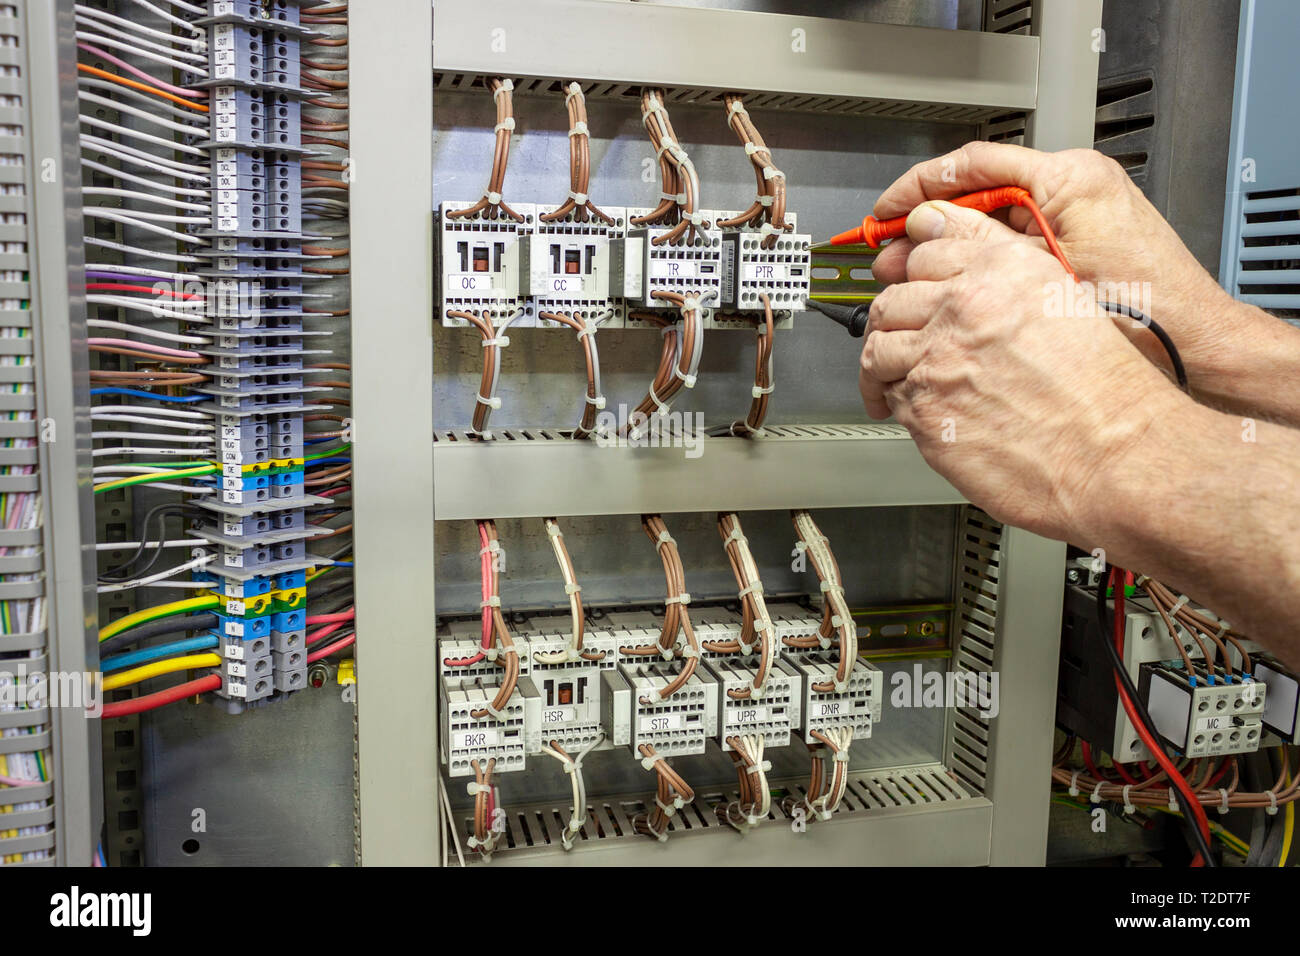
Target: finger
977,165
889,356
943,259
943,220
909,305
890,264
873,393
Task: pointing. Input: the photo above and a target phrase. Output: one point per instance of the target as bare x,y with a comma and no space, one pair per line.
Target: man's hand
1236,355
1019,406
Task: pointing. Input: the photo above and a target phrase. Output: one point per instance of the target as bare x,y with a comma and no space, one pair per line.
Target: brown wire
579,163
500,157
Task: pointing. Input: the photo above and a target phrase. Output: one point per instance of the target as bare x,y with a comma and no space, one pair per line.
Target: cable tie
570,767
598,401
679,154
1096,792
735,535
1178,605
1271,809
493,601
690,303
552,531
572,588
648,763
842,755
506,86
667,653
755,588
579,199
678,198
767,229
492,547
765,200
761,767
661,409
496,714
664,538
501,341
841,686
1074,783
474,788
831,587
737,106
485,434
744,648
1173,800
589,328
687,379
1128,807
573,90
696,219
1224,628
757,392
771,172
508,124
683,598
493,403
689,652
492,198
824,642
579,129
473,842
665,145
668,809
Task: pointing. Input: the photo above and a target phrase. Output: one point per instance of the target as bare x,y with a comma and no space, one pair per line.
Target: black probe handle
852,317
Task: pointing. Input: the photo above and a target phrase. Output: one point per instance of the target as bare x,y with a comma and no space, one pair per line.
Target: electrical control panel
483,263
568,265
771,716
859,706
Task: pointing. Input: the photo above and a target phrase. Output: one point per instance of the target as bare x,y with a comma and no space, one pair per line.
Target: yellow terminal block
239,607
256,466
347,672
294,597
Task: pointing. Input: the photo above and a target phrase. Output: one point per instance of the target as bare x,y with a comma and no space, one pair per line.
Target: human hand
1112,236
1020,409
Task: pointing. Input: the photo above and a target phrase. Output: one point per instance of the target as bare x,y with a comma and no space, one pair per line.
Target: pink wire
192,94
348,615
485,566
327,651
15,782
146,347
323,633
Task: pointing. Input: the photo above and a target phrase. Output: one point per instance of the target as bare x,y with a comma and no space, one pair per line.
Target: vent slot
1125,122
1268,255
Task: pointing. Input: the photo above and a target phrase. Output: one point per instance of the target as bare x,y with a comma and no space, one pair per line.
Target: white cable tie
1128,807
755,588
1178,605
660,408
552,531
579,199
492,547
1271,809
474,788
677,153
830,587
493,601
492,198
1139,581
648,763
1074,783
493,712
573,90
824,642
688,380
493,403
666,146
841,686
473,843
750,149
689,652
1223,801
588,328
737,106
668,809
767,229
758,392
1173,801
485,434
505,87
1224,628
735,535
572,588
1096,792
491,654
771,172
598,401
683,598
695,219
664,538
765,200
678,198
842,755
579,129
837,622
690,303
667,654
570,767
501,341
508,123
761,767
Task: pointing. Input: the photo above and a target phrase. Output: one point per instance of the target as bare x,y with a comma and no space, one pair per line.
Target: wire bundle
681,185
755,620
755,798
578,202
768,210
492,202
671,794
593,399
1175,611
679,358
573,767
494,624
574,591
486,833
836,617
751,426
677,636
494,340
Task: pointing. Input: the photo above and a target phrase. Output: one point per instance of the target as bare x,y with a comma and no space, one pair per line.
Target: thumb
938,219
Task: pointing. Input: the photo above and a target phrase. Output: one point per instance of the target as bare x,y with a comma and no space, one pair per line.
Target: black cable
1180,373
124,571
1106,623
171,625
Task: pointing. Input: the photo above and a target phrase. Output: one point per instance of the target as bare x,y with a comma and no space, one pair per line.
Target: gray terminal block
688,268
246,56
255,119
284,642
781,273
290,678
258,13
859,706
680,723
772,715
1200,719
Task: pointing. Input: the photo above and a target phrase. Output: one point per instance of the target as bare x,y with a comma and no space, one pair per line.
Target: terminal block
468,739
1201,719
1282,708
783,273
482,264
679,724
773,715
566,266
570,690
858,707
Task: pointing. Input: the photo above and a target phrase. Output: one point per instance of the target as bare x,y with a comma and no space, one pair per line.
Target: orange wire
144,87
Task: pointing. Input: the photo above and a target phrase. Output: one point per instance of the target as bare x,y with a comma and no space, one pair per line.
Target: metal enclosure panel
802,55
392,369
1263,149
59,327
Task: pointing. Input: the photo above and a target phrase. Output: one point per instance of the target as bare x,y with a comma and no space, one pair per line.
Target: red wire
331,648
136,705
348,615
123,287
317,636
1176,779
1086,749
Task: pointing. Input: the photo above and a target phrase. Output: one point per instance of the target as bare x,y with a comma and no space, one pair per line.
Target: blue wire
343,564
331,461
141,394
317,441
122,661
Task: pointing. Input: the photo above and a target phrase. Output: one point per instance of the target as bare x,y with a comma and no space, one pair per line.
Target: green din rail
843,274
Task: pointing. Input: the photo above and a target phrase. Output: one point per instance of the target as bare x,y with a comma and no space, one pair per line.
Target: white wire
168,167
154,436
185,585
144,305
131,177
117,91
137,250
172,17
189,8
125,409
119,106
147,545
143,197
157,422
132,450
139,46
141,271
199,562
132,25
141,135
112,44
142,216
124,327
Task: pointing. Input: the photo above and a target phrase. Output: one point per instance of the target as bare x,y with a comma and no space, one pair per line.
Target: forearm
1212,508
1255,369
